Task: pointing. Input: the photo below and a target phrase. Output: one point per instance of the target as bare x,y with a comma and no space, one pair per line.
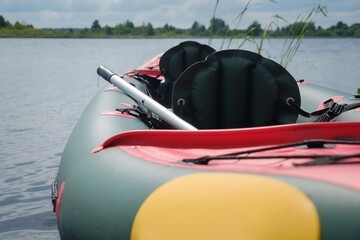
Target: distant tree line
17,25
218,28
339,30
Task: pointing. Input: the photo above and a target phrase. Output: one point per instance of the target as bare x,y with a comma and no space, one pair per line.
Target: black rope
309,143
329,159
319,159
54,193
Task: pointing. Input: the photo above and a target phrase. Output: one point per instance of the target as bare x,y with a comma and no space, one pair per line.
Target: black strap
333,111
151,120
330,111
152,84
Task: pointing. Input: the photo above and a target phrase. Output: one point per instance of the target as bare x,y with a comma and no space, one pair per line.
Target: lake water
46,84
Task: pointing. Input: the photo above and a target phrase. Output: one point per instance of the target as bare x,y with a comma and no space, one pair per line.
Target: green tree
129,24
197,29
95,26
168,28
298,28
356,27
2,22
18,26
150,30
341,25
218,26
108,30
254,29
320,32
342,30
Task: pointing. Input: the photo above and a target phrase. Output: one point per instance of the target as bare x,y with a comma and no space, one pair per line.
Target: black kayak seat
234,89
174,61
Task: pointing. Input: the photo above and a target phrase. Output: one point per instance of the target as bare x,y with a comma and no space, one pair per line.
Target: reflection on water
46,83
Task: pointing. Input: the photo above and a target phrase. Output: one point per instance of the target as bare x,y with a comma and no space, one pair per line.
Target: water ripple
41,221
38,189
15,200
19,130
9,180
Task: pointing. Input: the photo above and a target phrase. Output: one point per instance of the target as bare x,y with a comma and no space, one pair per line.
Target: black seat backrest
235,88
174,61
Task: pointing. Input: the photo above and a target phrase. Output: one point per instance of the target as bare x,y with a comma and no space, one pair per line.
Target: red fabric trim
117,113
127,105
231,138
150,68
58,201
335,99
111,88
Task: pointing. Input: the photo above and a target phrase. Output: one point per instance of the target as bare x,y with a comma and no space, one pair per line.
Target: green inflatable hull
115,170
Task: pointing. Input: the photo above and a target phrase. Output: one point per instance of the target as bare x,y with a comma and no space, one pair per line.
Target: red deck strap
233,137
117,113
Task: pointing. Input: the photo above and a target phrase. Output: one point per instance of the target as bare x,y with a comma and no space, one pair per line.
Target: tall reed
293,37
297,32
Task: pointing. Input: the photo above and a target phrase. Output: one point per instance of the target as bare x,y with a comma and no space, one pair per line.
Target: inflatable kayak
204,144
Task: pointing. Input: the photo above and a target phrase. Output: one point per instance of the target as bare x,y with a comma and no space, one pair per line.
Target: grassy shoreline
217,29
187,36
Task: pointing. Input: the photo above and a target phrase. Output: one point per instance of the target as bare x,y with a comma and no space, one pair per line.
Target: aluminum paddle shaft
145,100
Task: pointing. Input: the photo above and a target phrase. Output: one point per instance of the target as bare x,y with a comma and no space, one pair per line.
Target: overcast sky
179,13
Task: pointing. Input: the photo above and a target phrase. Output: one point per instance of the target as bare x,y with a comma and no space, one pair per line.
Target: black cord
313,143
